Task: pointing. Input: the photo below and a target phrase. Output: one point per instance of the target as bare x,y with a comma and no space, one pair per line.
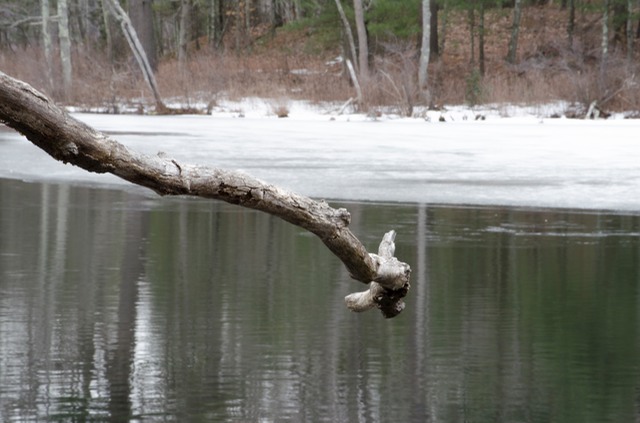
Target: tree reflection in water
119,307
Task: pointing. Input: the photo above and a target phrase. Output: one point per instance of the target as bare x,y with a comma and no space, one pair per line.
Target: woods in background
476,51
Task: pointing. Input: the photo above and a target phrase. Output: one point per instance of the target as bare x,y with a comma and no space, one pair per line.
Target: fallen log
66,139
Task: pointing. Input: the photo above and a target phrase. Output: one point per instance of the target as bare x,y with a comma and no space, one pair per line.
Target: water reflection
116,307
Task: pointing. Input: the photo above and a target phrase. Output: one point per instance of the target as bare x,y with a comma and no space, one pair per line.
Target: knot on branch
257,194
345,216
68,151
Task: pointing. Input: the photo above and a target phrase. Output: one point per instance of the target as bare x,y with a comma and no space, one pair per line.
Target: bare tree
347,31
138,51
350,62
46,41
515,30
287,10
238,28
479,29
183,35
629,31
434,49
65,48
247,17
107,29
214,23
363,42
481,39
605,35
472,31
80,14
425,45
70,141
571,24
141,15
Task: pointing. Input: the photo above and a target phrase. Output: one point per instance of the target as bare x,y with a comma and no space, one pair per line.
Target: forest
398,55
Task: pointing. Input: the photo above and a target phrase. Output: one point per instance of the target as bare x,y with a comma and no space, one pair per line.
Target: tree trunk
71,141
217,23
424,48
481,39
46,42
629,32
183,35
618,14
236,25
288,10
515,30
605,35
434,49
350,62
77,24
65,48
107,31
445,25
138,52
247,18
363,43
141,15
472,32
267,12
348,34
354,80
572,23
638,26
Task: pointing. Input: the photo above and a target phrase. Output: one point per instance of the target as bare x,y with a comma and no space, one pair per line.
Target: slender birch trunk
46,42
348,33
65,48
425,47
141,16
351,63
363,43
138,52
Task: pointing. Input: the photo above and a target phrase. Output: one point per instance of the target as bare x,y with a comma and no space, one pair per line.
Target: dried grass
548,70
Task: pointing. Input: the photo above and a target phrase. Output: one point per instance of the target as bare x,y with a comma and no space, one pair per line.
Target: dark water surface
119,307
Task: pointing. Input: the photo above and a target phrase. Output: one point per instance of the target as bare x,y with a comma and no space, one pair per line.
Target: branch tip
390,285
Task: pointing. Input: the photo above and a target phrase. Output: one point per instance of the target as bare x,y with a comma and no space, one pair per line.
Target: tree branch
71,141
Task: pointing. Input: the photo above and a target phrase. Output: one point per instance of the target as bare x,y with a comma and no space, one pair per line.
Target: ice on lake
518,161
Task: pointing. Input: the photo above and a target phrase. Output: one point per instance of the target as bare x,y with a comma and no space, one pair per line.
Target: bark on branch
71,141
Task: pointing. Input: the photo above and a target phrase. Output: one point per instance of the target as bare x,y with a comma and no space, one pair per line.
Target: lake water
117,306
